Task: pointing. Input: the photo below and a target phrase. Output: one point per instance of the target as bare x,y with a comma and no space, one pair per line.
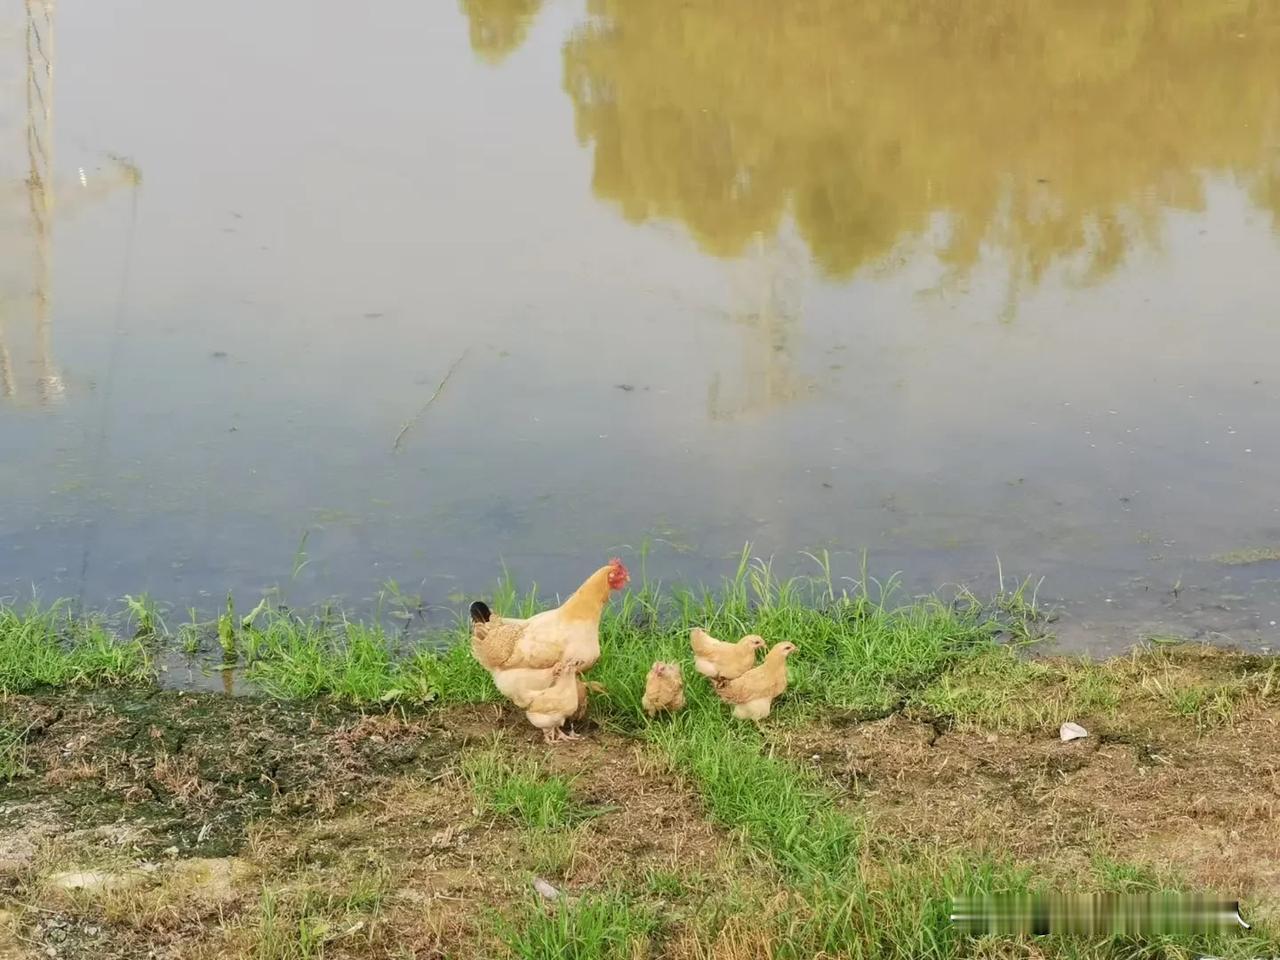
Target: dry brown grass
1203,804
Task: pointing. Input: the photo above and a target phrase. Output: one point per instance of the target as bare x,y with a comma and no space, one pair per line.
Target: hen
549,709
753,693
663,689
570,631
714,658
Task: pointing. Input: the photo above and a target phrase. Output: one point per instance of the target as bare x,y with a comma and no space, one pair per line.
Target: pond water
942,282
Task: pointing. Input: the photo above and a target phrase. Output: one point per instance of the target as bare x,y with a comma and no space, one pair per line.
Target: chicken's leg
558,735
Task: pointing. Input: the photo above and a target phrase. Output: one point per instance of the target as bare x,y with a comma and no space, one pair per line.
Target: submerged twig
418,416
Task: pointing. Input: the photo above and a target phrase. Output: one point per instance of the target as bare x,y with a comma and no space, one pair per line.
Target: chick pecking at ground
549,709
663,689
716,659
753,693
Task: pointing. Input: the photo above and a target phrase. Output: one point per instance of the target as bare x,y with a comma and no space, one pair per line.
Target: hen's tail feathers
480,612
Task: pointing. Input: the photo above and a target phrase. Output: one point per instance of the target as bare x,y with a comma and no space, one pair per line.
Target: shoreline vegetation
375,798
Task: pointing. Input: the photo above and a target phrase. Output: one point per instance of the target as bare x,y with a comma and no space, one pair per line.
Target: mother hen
522,654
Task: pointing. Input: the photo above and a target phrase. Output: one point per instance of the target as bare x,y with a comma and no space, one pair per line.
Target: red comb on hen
619,575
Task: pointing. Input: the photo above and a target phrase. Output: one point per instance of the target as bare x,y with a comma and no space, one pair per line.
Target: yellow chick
719,660
549,709
753,693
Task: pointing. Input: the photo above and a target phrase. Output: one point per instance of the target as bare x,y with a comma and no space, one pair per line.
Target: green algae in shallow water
1241,558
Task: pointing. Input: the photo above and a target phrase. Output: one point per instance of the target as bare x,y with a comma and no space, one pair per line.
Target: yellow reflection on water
1055,131
26,352
29,199
498,27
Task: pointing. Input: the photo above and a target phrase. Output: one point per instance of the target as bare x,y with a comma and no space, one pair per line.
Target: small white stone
1072,731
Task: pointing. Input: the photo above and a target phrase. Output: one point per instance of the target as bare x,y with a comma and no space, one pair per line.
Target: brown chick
664,689
584,688
716,659
753,693
549,709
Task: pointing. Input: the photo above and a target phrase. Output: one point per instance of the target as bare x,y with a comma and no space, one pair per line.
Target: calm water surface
940,281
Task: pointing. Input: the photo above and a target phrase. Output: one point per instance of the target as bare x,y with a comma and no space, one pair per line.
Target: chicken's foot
558,735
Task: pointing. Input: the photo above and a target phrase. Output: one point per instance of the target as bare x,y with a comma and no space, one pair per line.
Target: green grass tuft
777,807
284,935
46,648
299,924
605,926
295,659
1115,876
145,616
13,754
520,789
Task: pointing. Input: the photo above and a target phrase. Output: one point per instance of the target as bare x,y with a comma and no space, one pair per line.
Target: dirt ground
165,826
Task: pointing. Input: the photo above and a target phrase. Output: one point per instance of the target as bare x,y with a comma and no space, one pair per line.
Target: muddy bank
192,770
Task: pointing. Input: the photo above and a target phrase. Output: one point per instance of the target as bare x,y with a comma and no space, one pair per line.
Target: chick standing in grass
549,709
716,659
664,689
753,693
